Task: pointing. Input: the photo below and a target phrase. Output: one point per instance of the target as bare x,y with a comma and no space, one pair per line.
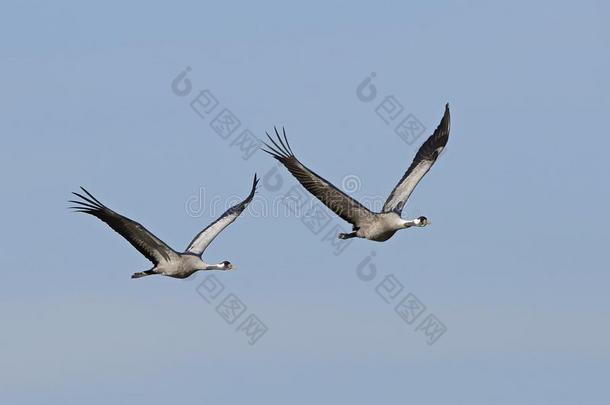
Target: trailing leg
143,273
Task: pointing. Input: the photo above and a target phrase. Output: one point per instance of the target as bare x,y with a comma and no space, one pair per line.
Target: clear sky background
514,263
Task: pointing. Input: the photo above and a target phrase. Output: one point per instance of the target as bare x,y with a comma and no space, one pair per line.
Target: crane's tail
143,273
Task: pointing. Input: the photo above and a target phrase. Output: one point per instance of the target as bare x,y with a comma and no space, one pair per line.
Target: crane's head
421,221
227,265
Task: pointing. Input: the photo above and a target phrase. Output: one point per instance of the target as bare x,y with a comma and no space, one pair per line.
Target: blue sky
514,264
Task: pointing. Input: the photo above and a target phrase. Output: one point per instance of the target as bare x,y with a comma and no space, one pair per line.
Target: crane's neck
411,222
217,266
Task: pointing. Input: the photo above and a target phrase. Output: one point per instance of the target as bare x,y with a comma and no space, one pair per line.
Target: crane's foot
143,273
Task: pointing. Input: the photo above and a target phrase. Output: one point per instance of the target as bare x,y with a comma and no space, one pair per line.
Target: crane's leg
347,235
144,273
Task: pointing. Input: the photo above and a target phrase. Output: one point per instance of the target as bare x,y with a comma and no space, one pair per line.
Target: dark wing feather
205,237
423,161
153,248
339,202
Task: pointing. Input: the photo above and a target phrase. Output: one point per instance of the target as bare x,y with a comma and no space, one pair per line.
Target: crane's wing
339,202
423,161
205,237
153,248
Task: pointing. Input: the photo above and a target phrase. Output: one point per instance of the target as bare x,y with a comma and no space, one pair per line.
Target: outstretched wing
423,161
339,202
153,248
205,237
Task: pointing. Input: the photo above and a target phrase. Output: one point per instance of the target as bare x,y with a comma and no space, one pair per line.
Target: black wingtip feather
88,200
85,211
286,139
271,153
445,123
81,204
87,203
255,181
90,195
280,153
269,146
253,190
273,149
279,138
281,148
